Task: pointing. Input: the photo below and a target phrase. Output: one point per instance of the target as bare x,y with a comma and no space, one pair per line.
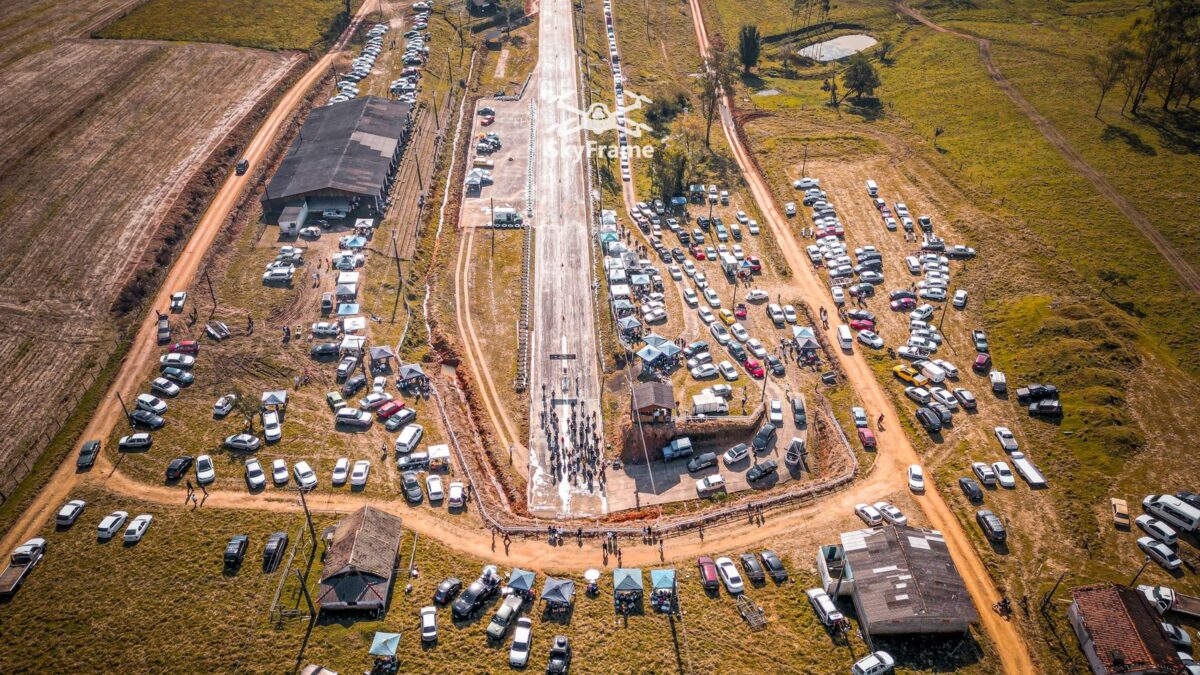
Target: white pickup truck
24,558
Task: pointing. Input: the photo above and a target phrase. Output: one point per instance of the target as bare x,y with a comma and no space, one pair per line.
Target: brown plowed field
98,141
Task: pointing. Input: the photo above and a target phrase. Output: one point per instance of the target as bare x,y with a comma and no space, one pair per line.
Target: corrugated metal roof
365,541
345,146
1119,620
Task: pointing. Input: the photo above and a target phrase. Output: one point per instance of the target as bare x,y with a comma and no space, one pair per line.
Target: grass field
264,24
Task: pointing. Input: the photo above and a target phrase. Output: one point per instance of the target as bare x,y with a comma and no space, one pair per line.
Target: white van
933,371
872,188
845,339
1175,511
408,439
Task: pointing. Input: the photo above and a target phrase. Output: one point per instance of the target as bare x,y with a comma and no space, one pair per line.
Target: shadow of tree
1131,138
1178,130
752,80
870,109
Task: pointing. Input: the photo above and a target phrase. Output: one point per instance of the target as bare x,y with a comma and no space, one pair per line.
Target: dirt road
141,356
1187,273
896,450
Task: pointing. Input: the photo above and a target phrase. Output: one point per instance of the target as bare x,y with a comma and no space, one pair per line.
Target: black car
87,454
1049,407
861,314
896,295
930,420
971,489
774,565
754,569
695,348
775,365
473,598
178,467
736,350
325,349
702,461
763,438
353,385
242,166
273,551
990,523
677,253
147,419
761,471
703,222
235,550
412,487
560,656
1036,392
664,255
447,590
1189,498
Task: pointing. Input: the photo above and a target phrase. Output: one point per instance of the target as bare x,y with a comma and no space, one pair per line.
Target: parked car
273,551
110,525
205,471
916,478
823,605
224,405
984,472
164,386
761,471
476,594
702,461
560,656
875,663
971,489
1008,442
359,473
242,442
69,513
454,496
446,590
137,528
518,653
146,418
87,454
341,470
177,467
1004,475
429,631
1159,552
709,577
729,576
710,484
255,478
433,485
753,568
235,550
774,565
412,487
737,453
279,472
306,478
1157,529
868,514
991,525
151,404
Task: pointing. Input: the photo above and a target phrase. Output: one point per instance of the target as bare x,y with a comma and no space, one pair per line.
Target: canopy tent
616,275
384,644
353,343
348,291
354,324
640,279
627,580
364,222
628,323
799,332
347,278
410,372
439,457
649,354
382,352
354,242
622,305
558,591
655,340
274,398
669,349
662,594
347,309
619,291
608,236
521,581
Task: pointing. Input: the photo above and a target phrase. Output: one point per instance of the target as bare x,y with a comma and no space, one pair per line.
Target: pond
838,48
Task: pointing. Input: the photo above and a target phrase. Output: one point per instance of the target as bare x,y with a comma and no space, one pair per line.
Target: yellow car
727,317
906,373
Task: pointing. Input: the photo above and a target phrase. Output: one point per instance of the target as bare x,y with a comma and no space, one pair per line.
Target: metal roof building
905,582
345,155
360,561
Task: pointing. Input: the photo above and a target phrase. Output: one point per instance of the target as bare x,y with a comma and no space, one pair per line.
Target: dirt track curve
895,448
145,345
1187,273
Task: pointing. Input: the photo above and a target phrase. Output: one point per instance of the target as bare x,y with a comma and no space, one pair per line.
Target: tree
885,49
749,47
245,405
1108,68
717,79
668,172
860,77
1164,40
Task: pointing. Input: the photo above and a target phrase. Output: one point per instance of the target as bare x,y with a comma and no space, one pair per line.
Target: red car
903,304
867,438
740,310
388,409
862,324
708,573
487,121
983,363
755,263
754,368
697,252
186,347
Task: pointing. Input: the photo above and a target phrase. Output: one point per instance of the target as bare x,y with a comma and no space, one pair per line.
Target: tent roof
382,352
669,348
348,309
409,371
627,579
803,332
655,340
662,579
622,303
521,580
278,397
384,644
559,591
353,341
354,323
649,354
439,451
627,322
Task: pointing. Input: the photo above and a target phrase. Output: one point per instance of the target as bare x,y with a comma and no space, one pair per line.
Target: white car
727,371
1159,552
706,315
711,297
704,371
789,313
868,514
719,332
518,654
433,486
916,478
358,474
1157,529
710,483
379,384
176,361
164,386
312,232
205,471
739,332
821,603
960,299
689,268
429,624
875,663
737,453
775,412
757,295
1007,440
984,473
945,398
756,348
950,368
676,273
272,430
891,513
135,441
137,528
1004,475
151,403
701,280
690,297
455,499
279,472
69,513
374,400
729,576
255,478
341,468
242,442
870,339
306,478
839,295
224,405
325,329
107,529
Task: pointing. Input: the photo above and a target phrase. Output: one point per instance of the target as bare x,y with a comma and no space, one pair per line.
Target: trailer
1165,600
1028,471
24,558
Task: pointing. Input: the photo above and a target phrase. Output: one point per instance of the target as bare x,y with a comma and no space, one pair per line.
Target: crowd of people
575,451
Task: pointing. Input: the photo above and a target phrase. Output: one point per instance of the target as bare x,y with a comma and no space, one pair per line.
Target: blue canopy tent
669,349
655,340
521,581
558,594
662,590
347,309
649,354
384,644
628,323
627,588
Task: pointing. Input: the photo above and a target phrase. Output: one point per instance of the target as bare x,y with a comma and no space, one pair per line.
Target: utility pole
804,163
493,216
122,402
1133,581
312,530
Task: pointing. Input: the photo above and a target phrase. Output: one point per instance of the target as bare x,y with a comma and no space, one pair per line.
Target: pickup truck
1165,600
24,558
